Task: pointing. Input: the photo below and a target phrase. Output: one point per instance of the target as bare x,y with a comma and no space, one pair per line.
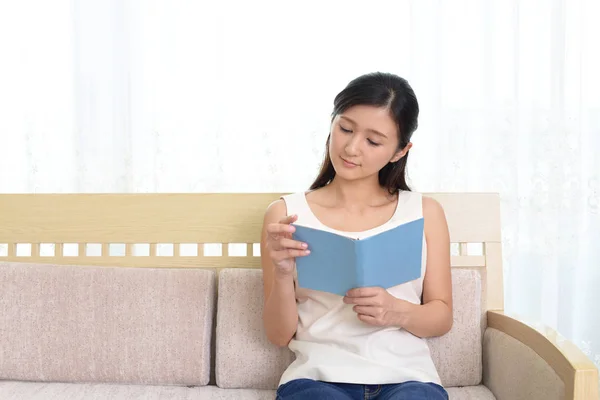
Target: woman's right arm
278,252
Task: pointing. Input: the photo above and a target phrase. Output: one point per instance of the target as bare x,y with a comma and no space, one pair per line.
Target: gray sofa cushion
90,391
102,324
516,372
458,354
245,358
85,391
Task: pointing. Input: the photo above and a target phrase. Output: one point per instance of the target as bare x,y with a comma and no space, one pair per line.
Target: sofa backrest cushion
246,359
105,324
458,354
244,356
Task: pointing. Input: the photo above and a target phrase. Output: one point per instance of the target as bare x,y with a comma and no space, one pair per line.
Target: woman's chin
347,174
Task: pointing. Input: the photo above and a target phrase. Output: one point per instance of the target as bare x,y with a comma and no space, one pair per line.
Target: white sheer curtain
189,96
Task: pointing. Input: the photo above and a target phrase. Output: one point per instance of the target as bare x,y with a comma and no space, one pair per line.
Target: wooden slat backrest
75,223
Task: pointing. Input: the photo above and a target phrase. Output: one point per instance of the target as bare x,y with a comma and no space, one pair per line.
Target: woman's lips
348,164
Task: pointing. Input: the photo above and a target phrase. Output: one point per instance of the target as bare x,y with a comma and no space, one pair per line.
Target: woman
368,344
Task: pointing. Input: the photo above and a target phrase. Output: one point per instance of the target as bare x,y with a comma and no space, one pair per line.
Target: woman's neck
358,195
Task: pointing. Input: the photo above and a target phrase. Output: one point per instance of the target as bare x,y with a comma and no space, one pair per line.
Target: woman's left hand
376,306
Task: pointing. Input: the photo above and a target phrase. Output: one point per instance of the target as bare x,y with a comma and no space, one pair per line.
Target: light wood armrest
575,369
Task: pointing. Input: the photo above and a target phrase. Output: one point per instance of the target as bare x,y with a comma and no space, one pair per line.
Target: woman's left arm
434,316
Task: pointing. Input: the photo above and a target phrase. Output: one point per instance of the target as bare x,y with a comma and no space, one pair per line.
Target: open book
337,263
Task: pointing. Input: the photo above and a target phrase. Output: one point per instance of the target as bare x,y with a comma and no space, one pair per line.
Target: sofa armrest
527,360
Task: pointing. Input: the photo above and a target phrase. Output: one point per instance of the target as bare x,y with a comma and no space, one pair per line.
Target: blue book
338,263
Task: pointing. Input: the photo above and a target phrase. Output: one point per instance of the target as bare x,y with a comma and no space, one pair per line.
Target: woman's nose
352,146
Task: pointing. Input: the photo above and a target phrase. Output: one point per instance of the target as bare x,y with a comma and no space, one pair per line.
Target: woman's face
363,140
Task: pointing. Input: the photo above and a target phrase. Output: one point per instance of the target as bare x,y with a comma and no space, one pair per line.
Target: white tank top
331,344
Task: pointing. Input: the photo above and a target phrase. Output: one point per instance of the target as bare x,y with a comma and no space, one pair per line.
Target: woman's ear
401,153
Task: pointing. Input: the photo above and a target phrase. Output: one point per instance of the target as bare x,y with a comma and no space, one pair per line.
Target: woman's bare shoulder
276,210
434,216
431,206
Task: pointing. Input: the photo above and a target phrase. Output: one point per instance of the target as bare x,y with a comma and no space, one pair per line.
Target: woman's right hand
283,250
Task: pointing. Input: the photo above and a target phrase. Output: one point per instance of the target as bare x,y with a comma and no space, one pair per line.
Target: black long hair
378,89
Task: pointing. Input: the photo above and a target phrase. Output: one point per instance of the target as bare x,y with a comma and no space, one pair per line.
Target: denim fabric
301,389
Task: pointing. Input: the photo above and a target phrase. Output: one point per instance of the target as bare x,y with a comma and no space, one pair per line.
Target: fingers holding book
282,248
283,227
376,306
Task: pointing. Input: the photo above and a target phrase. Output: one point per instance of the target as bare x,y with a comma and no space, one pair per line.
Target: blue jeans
308,389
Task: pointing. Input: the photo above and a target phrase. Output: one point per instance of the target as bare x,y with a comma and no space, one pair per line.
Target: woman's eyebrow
368,129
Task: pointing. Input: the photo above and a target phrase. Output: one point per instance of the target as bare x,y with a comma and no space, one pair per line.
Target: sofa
190,327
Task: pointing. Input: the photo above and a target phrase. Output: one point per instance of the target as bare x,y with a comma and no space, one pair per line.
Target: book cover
338,263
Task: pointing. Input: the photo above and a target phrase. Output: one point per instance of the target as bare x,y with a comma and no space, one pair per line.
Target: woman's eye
372,143
345,130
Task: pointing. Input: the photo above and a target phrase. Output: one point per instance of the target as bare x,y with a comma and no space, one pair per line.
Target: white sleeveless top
331,344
